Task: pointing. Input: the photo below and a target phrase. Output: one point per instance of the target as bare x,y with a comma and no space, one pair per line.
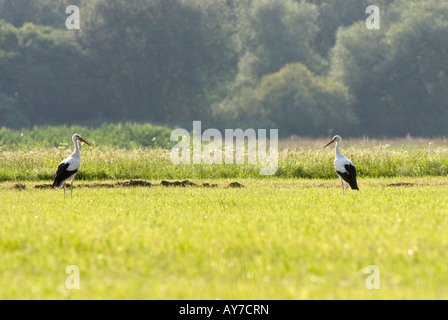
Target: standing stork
344,167
68,167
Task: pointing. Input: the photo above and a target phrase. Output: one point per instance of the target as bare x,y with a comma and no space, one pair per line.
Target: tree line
307,68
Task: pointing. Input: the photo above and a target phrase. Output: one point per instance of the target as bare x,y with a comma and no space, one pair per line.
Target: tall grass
376,162
141,151
154,164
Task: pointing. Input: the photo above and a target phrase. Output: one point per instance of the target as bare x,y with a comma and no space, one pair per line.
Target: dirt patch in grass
131,183
229,184
93,185
209,185
400,184
18,186
363,183
177,183
235,185
186,183
43,186
135,183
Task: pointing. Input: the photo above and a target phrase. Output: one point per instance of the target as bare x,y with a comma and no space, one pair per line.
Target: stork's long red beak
329,143
81,139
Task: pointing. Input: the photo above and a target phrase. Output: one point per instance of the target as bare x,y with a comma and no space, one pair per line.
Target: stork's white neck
76,143
336,150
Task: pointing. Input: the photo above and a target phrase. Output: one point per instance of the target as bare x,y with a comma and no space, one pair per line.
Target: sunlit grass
288,236
279,239
104,163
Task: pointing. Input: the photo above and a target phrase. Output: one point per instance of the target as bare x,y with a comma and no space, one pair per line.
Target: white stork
68,167
344,167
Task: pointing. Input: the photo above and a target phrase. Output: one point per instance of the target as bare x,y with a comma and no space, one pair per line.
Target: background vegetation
132,151
124,136
305,67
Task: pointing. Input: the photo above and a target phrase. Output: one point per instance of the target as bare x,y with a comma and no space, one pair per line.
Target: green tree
149,58
47,73
270,34
334,14
398,74
275,33
295,101
39,12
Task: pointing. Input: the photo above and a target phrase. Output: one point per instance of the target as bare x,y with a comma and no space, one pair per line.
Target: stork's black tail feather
57,183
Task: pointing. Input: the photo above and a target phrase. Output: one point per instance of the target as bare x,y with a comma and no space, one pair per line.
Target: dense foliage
306,67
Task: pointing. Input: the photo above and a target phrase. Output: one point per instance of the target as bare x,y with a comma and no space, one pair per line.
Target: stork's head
336,138
77,137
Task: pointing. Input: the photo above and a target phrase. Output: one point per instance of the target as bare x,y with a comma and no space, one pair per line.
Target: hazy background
308,68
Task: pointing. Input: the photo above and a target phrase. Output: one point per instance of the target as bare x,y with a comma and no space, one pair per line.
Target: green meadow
288,236
109,163
279,239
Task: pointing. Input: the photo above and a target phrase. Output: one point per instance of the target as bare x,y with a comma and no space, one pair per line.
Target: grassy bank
142,151
155,163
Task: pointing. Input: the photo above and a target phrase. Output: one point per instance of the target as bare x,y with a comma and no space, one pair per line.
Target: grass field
292,235
272,239
106,163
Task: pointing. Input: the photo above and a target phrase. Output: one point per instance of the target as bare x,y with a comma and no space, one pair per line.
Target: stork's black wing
61,168
62,174
349,176
351,170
